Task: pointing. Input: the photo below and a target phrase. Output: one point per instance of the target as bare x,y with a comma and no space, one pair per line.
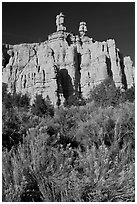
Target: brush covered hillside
83,151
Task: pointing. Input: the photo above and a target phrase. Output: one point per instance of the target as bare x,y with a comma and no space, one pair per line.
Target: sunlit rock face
64,65
129,71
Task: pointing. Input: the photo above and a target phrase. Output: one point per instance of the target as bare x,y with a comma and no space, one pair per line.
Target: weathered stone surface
129,71
63,65
115,65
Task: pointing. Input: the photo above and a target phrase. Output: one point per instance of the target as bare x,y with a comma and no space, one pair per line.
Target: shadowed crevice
65,82
124,81
109,71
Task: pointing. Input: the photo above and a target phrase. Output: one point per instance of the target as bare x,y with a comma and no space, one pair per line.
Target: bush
106,94
4,90
13,126
6,97
75,100
14,100
80,154
42,107
129,94
19,100
12,133
43,173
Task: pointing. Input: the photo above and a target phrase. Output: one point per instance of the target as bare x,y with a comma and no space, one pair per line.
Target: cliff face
63,65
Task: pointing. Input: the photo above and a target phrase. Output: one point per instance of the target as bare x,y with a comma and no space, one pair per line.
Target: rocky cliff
65,64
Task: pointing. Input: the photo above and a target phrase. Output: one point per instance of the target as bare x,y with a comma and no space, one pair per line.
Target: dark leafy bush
4,90
129,94
106,94
6,97
13,121
42,107
14,100
19,100
12,133
74,100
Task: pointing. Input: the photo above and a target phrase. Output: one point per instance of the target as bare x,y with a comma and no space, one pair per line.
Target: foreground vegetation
74,154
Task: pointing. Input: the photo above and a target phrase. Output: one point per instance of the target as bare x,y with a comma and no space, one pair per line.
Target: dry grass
46,168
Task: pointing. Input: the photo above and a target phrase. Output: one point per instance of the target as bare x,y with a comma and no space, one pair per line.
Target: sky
27,22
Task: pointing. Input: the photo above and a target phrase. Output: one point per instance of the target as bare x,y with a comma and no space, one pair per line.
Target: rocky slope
63,65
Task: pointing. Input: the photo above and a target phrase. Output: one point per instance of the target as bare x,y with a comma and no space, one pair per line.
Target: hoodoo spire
65,65
60,22
82,28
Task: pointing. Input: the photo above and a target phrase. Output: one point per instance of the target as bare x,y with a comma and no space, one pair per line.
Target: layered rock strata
65,64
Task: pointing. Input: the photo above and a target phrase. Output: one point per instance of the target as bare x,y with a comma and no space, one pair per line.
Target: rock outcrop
65,64
129,71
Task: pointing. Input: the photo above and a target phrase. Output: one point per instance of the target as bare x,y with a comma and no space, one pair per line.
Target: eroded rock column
115,67
129,71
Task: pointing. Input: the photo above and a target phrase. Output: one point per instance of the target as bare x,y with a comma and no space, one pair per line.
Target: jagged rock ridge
65,64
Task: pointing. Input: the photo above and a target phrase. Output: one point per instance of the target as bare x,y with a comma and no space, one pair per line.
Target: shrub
81,154
6,97
42,107
129,94
11,131
4,90
14,100
74,100
19,100
66,175
15,124
106,94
